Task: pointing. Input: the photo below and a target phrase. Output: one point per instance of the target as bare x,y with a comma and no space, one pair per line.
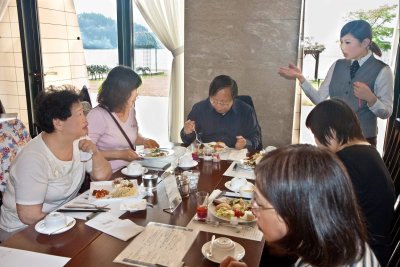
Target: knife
81,210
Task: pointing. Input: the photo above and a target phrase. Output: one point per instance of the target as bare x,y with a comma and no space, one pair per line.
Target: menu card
158,245
174,197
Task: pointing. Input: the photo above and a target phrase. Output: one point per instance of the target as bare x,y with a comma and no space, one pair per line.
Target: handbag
132,146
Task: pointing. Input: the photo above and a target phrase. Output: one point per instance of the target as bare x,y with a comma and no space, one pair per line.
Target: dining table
87,246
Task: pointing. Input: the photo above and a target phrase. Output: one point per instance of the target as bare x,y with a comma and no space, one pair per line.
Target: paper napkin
111,225
216,193
133,204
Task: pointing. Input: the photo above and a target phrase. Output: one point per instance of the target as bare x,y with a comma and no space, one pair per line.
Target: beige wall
63,57
248,40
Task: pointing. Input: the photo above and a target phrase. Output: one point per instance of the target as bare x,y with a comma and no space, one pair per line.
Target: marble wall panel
248,40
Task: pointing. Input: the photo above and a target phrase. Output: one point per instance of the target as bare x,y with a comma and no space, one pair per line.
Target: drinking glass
202,198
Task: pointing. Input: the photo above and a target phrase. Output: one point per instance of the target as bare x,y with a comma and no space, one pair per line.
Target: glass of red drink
202,199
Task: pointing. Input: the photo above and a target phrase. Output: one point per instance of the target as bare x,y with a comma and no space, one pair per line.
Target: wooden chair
249,101
392,155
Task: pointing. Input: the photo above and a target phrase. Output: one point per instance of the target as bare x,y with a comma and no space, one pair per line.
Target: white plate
145,153
228,185
125,172
191,165
41,228
245,167
239,252
211,209
108,185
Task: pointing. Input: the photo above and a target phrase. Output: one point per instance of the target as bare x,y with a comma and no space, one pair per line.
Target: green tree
379,19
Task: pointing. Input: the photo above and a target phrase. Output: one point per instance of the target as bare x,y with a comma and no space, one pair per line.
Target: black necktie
354,68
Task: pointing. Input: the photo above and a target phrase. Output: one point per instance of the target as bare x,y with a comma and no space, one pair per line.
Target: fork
82,204
197,136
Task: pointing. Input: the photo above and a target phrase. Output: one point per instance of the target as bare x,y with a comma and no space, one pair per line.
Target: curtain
3,8
166,20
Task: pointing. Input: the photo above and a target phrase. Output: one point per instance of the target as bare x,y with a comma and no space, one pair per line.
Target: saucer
239,252
228,185
191,165
125,172
41,228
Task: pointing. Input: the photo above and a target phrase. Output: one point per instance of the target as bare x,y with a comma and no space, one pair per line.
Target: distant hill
100,32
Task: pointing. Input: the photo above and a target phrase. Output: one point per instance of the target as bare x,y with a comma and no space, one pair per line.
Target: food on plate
120,188
214,146
100,193
217,146
253,160
239,208
154,153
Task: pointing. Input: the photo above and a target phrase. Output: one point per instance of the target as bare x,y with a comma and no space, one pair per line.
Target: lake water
143,58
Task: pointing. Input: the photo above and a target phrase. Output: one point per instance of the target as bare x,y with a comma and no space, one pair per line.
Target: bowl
223,247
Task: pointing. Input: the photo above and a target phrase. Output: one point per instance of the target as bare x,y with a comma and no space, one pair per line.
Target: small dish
228,186
191,165
125,172
41,228
239,252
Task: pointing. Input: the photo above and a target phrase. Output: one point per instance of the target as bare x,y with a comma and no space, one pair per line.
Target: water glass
193,180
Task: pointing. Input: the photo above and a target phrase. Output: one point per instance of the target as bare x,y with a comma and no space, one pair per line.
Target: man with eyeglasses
223,118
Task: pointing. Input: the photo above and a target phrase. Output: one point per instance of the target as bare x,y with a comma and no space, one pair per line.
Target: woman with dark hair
335,126
223,118
362,81
48,172
305,204
112,124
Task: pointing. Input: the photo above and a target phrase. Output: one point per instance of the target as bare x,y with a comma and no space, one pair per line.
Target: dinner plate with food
119,188
249,163
214,147
227,208
155,153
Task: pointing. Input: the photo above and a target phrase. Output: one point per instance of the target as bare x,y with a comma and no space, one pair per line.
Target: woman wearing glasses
305,204
222,118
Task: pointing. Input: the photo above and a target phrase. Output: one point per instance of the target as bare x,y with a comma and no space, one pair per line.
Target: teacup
186,161
247,190
134,168
223,247
237,182
55,220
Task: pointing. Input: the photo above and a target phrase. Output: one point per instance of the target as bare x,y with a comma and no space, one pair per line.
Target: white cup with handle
55,220
134,168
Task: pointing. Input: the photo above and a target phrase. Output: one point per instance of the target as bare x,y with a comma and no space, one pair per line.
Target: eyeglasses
221,103
255,208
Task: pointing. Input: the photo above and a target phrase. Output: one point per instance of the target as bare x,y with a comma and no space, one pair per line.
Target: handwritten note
158,245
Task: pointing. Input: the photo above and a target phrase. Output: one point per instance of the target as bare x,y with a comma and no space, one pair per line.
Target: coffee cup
223,247
186,161
134,168
55,220
237,182
247,190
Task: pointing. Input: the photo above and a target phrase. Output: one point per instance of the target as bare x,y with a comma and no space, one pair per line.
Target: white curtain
166,20
3,8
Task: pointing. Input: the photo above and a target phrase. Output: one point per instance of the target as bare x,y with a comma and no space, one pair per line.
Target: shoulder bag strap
120,128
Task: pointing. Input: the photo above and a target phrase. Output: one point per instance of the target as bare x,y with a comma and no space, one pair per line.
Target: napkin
111,225
133,204
237,155
216,193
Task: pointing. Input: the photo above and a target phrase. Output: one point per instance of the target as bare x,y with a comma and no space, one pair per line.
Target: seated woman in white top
305,204
48,172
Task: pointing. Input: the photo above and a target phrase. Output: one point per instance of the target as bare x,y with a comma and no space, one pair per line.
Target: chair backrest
13,136
392,155
2,109
249,101
84,95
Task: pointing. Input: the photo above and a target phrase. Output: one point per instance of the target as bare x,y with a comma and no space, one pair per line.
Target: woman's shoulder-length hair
311,191
333,118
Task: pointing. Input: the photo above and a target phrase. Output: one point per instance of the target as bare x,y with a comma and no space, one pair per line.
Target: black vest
341,86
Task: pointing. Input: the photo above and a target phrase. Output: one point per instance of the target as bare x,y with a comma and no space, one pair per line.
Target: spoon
65,226
209,253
